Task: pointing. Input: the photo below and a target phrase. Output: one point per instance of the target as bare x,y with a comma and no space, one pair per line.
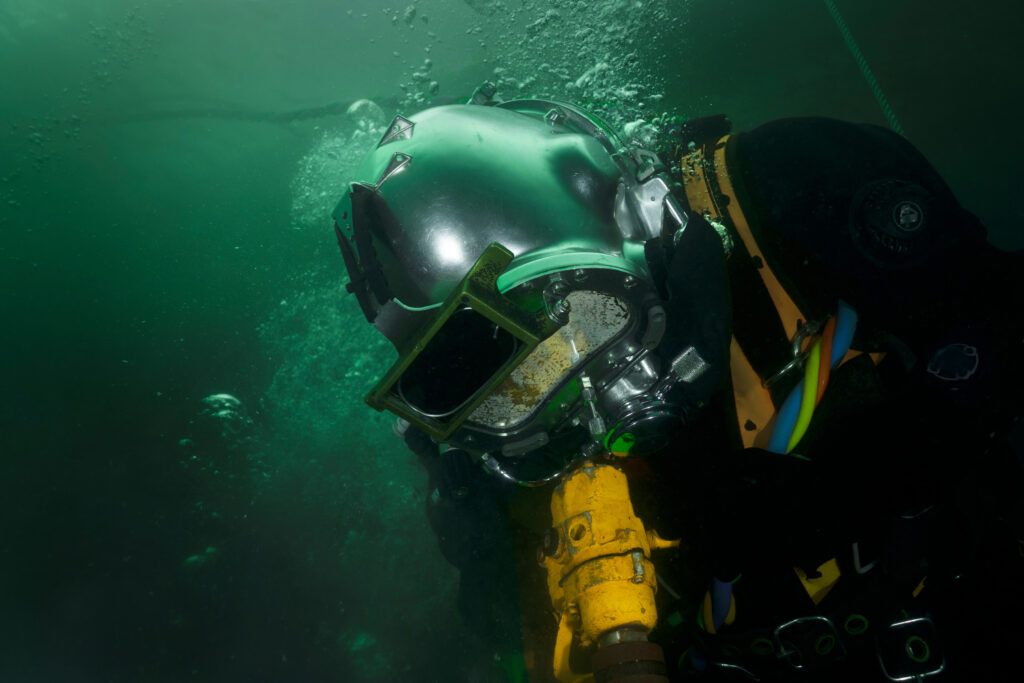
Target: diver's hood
571,206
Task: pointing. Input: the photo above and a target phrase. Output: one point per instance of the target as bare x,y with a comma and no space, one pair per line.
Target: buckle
908,650
808,641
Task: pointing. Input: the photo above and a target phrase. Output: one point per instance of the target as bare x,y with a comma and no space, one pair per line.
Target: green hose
864,68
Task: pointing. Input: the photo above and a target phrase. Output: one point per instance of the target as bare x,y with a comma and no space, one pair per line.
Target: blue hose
786,420
846,323
721,601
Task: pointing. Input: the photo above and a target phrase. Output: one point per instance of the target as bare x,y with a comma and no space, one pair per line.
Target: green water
167,168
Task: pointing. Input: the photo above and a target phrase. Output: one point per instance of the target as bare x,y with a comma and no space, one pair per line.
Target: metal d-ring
803,332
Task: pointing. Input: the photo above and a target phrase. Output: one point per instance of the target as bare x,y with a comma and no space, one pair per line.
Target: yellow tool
599,570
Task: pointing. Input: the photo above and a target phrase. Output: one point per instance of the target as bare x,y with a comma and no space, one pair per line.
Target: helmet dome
571,208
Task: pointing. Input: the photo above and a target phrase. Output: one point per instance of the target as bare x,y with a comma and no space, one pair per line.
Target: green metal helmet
501,249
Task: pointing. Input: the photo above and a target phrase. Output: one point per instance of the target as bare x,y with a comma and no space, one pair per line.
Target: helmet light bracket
366,276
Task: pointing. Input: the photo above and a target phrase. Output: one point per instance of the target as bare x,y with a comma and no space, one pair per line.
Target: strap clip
908,650
808,642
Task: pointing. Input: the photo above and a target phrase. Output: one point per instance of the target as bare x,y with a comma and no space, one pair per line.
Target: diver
735,407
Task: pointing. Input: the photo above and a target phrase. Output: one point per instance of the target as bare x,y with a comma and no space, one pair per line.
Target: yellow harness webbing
754,407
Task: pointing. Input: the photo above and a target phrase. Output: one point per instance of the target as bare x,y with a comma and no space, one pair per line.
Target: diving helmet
500,247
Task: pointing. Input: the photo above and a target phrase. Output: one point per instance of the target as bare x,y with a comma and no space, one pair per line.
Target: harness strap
766,318
760,343
789,313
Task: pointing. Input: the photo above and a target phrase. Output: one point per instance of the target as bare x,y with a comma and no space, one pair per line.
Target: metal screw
638,566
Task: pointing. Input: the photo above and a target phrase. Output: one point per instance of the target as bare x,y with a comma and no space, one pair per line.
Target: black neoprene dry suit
912,458
909,458
944,305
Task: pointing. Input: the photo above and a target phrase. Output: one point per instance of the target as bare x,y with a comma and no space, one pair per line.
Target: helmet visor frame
521,332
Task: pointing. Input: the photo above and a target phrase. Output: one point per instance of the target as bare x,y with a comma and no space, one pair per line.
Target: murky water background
193,488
